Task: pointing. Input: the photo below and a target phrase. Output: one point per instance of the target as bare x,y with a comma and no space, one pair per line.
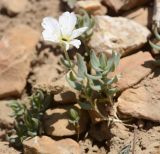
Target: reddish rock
93,6
141,15
16,53
133,69
119,34
5,114
118,5
15,6
142,101
6,149
46,145
56,121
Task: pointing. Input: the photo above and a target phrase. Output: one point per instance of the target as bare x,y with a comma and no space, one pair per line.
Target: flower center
64,39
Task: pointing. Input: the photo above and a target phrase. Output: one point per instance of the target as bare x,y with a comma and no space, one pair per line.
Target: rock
56,121
141,15
149,140
142,102
46,145
91,148
16,53
120,131
14,7
102,11
52,81
6,149
5,114
67,95
93,6
45,74
119,34
46,70
133,69
63,93
118,5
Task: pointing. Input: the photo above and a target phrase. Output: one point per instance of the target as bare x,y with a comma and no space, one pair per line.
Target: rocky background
27,62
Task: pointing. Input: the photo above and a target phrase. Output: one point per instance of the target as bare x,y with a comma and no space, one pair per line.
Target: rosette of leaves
95,82
28,119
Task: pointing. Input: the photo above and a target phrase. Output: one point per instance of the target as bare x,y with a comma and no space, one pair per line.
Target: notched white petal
48,36
50,24
77,32
76,43
67,23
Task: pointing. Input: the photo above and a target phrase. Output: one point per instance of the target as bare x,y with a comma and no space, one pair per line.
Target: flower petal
47,36
76,43
51,29
77,32
67,22
67,46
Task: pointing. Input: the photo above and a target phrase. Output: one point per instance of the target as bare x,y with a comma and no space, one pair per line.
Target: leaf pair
103,65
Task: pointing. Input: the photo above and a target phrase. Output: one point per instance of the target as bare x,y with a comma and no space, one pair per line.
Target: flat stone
133,69
62,91
46,145
142,15
142,101
118,5
94,6
6,149
17,49
5,114
48,65
15,7
119,34
56,122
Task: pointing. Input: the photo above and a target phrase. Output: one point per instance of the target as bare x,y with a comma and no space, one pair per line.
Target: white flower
63,30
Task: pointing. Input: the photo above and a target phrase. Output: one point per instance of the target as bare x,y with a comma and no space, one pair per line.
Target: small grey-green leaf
82,69
156,34
72,82
74,114
112,91
85,105
154,46
116,59
93,77
95,61
112,80
125,150
95,85
103,60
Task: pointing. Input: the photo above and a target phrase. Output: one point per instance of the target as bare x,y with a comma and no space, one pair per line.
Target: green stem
68,59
